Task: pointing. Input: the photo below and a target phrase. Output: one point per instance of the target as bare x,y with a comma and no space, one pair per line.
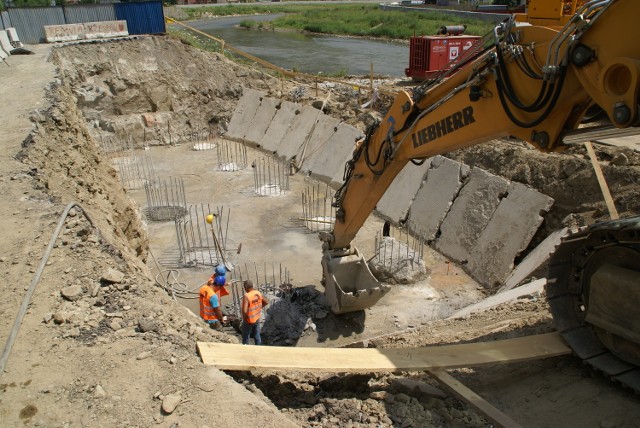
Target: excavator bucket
349,284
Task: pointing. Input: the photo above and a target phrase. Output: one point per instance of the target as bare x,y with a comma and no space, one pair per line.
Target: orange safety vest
255,306
206,310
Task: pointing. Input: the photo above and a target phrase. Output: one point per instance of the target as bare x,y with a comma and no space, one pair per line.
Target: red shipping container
428,55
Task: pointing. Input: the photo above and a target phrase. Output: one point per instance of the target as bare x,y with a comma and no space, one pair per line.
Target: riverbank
363,20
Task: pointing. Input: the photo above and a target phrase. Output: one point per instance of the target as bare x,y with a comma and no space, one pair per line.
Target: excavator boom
532,82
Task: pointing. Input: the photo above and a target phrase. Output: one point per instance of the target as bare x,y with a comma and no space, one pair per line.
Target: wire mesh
318,214
232,156
201,243
205,141
113,147
270,176
135,171
166,199
402,246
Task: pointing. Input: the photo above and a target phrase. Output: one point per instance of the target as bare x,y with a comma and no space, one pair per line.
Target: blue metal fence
142,17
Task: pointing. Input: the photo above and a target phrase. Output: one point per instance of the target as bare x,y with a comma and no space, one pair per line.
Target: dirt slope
102,347
111,348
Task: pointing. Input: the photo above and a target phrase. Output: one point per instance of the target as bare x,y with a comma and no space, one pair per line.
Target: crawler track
610,249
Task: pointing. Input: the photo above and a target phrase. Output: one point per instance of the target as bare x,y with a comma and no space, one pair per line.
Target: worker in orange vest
252,304
210,306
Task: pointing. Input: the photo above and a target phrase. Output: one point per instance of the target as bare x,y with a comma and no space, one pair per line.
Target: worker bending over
252,304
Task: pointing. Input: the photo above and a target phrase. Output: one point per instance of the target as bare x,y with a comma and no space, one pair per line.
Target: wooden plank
454,386
608,200
239,357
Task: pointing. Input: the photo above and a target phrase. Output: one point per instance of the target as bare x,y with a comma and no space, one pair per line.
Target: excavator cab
349,284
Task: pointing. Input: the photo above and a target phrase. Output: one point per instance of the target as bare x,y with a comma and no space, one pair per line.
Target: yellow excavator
534,78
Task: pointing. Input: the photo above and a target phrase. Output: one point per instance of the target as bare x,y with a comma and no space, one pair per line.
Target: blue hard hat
221,270
219,280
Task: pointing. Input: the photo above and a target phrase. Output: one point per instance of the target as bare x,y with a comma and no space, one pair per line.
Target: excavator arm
536,83
501,92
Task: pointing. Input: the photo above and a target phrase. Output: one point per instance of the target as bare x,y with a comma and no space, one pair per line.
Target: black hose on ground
34,282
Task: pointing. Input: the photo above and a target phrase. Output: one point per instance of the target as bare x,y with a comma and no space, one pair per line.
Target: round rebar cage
165,199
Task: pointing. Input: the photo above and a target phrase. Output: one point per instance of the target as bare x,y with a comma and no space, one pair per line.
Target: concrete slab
632,142
396,201
318,145
285,114
105,29
262,118
435,197
298,132
532,289
243,114
330,162
536,258
63,33
470,214
508,233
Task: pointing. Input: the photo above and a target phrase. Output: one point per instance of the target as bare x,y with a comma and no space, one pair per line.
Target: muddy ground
103,345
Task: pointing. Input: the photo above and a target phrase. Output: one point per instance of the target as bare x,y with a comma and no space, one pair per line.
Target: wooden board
249,357
454,386
613,213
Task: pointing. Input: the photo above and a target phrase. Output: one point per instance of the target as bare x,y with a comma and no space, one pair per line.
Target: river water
310,53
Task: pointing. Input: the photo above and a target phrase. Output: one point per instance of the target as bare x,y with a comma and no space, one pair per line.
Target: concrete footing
471,216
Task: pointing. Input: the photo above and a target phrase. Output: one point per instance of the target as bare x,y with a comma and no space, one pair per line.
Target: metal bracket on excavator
349,284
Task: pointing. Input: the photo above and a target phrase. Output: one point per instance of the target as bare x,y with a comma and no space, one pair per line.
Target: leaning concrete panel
435,197
510,230
243,114
254,133
319,143
298,132
329,163
534,288
536,258
470,213
395,202
285,114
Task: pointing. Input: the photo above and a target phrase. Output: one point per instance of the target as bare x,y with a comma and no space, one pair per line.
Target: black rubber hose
543,116
543,96
34,282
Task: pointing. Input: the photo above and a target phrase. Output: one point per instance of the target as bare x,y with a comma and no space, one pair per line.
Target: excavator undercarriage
594,295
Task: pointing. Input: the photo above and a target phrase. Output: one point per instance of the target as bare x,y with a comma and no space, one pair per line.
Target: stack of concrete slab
469,215
319,144
85,31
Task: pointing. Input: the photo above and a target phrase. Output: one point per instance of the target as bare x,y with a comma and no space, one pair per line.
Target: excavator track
594,295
